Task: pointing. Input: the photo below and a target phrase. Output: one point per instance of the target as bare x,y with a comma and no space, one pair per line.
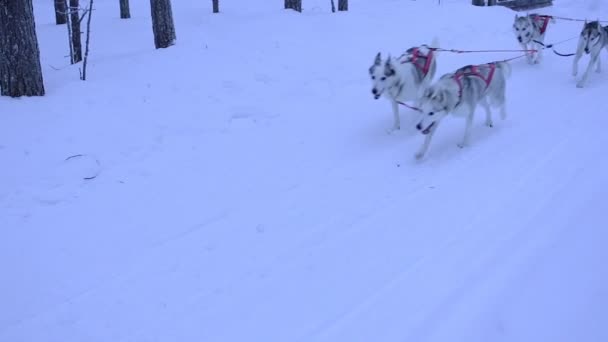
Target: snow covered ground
248,190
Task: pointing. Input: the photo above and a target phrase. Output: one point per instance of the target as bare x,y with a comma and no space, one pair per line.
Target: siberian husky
402,79
459,93
530,33
593,38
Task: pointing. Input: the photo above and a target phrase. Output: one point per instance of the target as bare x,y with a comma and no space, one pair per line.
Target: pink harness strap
415,55
475,72
545,19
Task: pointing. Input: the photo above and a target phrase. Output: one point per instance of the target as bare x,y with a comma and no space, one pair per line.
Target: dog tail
505,68
435,44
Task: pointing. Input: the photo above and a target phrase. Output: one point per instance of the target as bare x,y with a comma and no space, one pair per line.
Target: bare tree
162,23
75,20
60,12
333,6
125,11
89,12
216,6
20,71
342,5
479,2
294,4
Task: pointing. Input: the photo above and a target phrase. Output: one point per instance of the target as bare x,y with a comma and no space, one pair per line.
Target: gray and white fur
401,79
529,31
593,38
459,93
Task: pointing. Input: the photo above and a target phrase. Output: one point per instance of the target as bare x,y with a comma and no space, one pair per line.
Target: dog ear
442,96
378,59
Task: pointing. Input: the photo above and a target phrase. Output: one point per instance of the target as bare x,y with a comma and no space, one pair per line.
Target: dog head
590,35
523,29
381,74
433,108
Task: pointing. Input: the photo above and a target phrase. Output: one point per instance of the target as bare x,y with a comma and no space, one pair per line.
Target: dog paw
489,124
461,145
580,85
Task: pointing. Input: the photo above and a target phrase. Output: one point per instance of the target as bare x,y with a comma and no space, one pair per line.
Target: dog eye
383,78
432,113
373,77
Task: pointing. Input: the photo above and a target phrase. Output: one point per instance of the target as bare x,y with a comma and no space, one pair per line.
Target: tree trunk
60,12
162,23
125,12
216,6
20,71
294,4
342,5
75,22
333,6
479,2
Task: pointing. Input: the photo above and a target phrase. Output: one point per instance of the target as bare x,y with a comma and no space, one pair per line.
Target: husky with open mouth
459,93
593,38
403,79
530,33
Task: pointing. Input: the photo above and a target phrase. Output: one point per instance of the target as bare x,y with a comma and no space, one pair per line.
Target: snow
247,189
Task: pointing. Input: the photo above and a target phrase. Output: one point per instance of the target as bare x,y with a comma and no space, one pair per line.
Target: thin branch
86,51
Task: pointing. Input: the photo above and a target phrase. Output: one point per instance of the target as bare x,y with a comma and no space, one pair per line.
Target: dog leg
467,129
598,69
539,53
590,66
397,123
529,54
577,57
503,111
486,107
427,141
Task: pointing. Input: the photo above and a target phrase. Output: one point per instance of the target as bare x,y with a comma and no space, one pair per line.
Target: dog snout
419,126
586,50
374,91
519,39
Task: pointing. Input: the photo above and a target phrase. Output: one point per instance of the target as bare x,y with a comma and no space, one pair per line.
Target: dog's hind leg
486,107
427,141
503,111
397,122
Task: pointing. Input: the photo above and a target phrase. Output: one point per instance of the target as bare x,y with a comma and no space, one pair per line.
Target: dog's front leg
539,52
577,57
397,122
467,129
599,65
590,66
427,141
529,54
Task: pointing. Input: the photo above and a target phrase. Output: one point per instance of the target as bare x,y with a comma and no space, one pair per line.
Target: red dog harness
545,21
475,72
415,54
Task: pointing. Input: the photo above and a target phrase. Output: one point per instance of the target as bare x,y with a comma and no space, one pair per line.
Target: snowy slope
247,188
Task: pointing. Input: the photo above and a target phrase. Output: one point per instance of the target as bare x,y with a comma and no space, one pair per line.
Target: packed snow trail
249,190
